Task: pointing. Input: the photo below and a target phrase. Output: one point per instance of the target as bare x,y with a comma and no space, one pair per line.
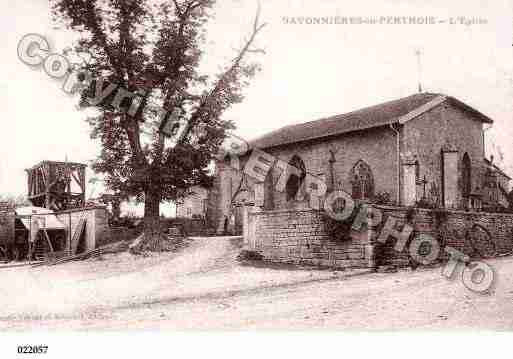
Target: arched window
294,182
362,181
466,176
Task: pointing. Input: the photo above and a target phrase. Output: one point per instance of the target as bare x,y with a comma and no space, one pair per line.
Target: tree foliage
154,49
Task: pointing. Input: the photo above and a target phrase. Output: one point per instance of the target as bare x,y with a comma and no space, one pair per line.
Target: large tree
154,48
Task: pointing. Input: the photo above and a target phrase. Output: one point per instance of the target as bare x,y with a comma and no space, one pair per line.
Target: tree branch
257,27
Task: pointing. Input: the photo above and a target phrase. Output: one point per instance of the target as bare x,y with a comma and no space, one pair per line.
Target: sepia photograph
266,178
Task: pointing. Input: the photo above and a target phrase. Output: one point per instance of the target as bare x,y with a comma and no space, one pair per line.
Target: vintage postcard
241,165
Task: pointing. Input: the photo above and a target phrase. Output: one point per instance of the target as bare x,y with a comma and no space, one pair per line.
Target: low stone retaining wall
477,234
7,218
191,226
301,236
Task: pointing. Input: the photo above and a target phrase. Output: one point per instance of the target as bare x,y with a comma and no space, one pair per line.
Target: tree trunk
152,228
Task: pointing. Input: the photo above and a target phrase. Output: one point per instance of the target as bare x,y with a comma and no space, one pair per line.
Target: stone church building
425,149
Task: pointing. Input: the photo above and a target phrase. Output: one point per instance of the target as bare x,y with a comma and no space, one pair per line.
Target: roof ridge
362,109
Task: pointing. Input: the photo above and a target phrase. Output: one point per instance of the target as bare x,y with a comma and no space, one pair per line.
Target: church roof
396,111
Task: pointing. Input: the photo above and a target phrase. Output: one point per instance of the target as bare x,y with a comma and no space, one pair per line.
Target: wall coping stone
385,207
287,210
452,211
83,209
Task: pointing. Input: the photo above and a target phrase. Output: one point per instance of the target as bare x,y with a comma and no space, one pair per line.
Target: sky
309,71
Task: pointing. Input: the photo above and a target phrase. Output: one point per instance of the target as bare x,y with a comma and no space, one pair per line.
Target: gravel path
204,287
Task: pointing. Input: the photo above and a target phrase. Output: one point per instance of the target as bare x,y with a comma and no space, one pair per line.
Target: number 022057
32,349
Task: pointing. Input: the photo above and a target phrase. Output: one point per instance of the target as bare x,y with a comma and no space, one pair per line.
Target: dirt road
206,288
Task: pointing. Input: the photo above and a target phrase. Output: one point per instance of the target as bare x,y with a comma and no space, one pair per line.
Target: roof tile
369,117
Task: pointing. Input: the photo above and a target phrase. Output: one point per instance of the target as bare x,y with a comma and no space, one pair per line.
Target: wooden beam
77,180
43,176
82,180
48,240
68,180
36,196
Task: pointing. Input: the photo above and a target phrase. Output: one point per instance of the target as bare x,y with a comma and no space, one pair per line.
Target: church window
362,181
294,182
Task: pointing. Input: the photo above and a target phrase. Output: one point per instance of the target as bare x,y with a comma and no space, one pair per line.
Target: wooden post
48,240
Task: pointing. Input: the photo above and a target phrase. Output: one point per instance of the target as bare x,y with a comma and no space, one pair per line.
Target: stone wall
6,223
376,146
477,234
301,236
189,226
444,127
